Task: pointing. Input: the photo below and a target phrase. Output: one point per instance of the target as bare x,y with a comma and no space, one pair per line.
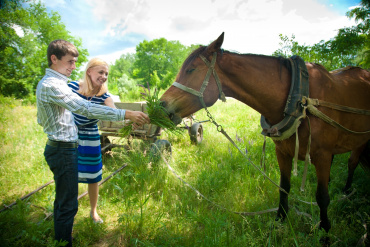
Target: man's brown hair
60,48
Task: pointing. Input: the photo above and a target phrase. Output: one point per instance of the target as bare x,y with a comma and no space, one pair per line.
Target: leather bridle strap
211,70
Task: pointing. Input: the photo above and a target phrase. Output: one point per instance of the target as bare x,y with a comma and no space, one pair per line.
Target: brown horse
263,83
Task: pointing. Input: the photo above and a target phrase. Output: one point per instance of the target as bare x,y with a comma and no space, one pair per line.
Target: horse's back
353,85
349,86
353,75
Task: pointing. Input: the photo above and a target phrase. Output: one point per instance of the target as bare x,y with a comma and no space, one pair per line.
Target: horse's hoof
347,191
280,218
325,241
325,225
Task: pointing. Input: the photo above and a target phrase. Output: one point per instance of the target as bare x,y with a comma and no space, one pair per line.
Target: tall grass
146,205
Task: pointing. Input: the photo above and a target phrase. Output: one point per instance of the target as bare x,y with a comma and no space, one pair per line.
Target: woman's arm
109,102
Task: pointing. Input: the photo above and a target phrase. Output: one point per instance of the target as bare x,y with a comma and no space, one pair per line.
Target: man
55,102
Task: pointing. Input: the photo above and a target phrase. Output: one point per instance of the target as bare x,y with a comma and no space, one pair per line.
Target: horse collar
294,110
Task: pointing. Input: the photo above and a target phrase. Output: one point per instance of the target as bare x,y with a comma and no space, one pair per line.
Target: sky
110,28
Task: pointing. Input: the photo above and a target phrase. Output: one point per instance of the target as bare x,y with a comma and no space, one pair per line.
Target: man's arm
135,116
63,96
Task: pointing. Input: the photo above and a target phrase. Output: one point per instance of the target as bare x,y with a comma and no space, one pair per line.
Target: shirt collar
51,72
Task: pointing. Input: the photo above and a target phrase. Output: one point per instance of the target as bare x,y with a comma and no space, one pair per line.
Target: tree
122,66
350,47
164,57
286,46
25,32
127,88
362,15
336,53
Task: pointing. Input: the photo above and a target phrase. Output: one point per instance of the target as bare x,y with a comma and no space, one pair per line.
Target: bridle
211,70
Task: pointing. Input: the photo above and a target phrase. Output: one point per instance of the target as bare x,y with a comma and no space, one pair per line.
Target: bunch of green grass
158,115
126,130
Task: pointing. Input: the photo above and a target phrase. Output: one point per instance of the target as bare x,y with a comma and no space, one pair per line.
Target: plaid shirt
56,102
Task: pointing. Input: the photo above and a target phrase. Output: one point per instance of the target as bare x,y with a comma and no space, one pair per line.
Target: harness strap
311,103
307,158
211,70
318,102
187,89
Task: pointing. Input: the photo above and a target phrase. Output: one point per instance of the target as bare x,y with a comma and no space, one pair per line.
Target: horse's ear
216,45
220,40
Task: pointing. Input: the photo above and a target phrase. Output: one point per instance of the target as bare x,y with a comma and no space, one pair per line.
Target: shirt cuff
123,114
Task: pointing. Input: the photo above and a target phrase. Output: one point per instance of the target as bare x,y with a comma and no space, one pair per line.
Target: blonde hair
86,81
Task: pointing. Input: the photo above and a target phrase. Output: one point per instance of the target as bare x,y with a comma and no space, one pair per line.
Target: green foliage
164,57
362,17
350,47
333,54
154,79
127,88
25,32
286,46
122,66
156,62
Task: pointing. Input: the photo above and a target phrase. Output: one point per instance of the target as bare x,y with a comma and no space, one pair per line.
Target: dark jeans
63,164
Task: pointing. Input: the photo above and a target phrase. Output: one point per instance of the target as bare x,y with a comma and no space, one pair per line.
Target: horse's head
196,86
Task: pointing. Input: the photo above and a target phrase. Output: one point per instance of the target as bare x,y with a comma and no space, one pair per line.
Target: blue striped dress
89,149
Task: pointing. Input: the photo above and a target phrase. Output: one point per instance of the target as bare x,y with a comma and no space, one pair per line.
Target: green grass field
147,205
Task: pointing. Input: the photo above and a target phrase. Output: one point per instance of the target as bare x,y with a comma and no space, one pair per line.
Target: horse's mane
202,48
281,60
193,55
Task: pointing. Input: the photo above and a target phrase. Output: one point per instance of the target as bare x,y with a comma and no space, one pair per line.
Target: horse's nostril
163,103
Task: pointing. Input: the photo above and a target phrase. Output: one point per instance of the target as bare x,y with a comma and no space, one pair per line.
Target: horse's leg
322,162
331,164
285,165
352,164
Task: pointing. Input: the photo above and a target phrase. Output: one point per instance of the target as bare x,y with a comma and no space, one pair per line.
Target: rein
221,130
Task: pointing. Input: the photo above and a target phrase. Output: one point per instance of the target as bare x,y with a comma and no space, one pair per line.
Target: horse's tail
365,158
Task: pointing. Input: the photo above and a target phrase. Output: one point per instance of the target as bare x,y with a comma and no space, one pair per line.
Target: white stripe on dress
89,143
89,175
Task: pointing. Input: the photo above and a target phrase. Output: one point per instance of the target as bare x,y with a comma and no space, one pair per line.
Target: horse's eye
189,71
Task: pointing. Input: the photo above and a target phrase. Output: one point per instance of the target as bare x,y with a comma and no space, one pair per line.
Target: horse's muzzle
175,118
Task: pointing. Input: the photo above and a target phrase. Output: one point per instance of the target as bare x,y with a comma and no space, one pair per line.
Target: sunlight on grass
146,205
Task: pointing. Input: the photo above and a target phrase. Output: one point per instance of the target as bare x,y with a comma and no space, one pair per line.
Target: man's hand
137,117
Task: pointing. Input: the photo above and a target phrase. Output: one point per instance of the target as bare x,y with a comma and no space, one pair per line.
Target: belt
62,144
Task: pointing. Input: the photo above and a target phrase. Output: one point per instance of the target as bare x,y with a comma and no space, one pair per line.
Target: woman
94,89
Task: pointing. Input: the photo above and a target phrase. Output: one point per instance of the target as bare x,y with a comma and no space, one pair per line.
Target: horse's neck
258,81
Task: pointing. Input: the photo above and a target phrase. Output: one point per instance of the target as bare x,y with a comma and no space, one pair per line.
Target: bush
128,89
